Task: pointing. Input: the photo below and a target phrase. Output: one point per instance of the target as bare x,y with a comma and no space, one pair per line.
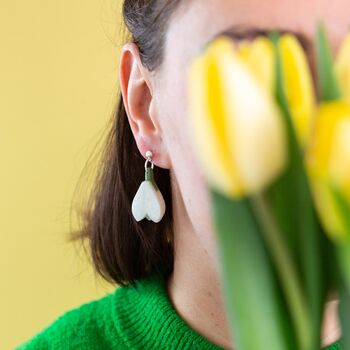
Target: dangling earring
148,201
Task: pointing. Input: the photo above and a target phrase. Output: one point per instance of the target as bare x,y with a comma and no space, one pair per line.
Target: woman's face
192,25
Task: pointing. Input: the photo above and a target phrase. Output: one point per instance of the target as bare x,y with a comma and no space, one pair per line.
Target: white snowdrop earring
148,201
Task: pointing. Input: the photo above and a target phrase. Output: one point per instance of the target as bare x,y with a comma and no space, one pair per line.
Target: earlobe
137,95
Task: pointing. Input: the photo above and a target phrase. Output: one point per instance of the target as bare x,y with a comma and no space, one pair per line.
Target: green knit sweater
128,318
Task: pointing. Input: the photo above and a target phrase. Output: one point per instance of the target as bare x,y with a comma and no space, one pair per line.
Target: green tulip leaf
256,309
328,86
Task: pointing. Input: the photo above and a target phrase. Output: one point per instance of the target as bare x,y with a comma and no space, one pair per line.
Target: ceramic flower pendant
148,201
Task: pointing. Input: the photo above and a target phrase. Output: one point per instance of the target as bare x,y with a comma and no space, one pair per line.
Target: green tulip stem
343,243
285,269
343,255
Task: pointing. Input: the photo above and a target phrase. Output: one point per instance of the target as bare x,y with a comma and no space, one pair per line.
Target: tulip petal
340,157
327,162
255,129
206,105
340,175
342,68
298,86
259,57
319,153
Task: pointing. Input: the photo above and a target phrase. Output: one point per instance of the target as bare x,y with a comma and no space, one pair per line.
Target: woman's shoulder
86,326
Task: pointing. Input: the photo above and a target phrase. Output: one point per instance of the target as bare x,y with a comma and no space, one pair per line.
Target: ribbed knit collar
146,319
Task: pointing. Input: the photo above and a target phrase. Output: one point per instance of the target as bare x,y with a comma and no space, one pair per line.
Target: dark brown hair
123,250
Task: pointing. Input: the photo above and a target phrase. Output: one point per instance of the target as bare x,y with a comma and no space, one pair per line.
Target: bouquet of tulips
275,148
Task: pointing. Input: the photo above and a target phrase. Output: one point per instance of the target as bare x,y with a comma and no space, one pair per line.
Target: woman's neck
194,287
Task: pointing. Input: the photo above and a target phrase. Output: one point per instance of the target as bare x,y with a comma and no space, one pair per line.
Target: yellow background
58,86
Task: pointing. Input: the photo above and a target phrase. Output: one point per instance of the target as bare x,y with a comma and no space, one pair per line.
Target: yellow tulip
237,127
298,86
328,164
342,68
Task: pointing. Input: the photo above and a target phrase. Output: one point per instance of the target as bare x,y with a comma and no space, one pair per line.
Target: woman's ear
138,100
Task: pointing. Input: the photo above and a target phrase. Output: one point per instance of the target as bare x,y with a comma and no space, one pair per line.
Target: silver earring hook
149,155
